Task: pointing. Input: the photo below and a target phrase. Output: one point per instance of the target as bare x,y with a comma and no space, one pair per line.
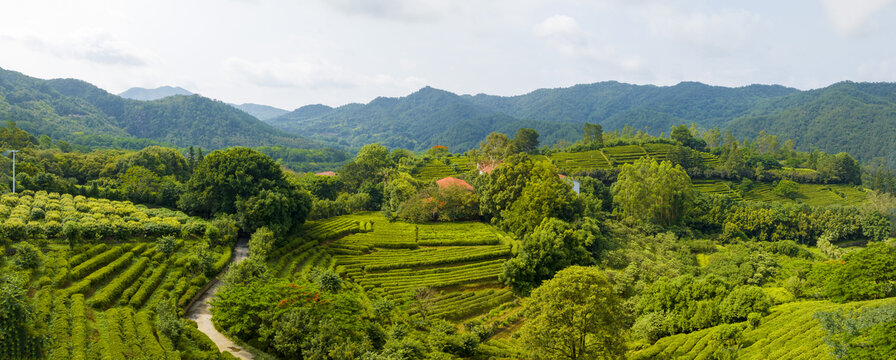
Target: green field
625,154
789,332
459,261
433,169
809,194
463,163
580,161
99,298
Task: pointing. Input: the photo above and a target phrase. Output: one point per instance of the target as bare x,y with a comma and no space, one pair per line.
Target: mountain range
79,112
139,93
261,112
859,118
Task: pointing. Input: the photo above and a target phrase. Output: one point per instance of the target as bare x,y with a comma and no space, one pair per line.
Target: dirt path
200,312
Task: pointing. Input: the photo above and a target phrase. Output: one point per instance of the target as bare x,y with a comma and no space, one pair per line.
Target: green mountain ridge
418,121
259,111
859,118
74,110
139,93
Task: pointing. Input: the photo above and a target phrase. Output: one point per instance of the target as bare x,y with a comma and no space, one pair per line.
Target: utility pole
13,167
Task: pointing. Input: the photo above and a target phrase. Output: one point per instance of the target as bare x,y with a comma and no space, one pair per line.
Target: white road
200,312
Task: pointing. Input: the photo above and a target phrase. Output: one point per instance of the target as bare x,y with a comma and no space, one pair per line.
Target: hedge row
100,275
79,328
107,295
59,330
96,262
148,287
151,347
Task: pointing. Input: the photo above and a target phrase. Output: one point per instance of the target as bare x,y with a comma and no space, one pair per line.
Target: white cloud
308,74
717,33
564,33
404,10
852,17
96,47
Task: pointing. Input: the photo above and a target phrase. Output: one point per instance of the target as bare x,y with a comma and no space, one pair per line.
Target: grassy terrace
625,154
789,332
460,261
433,170
580,161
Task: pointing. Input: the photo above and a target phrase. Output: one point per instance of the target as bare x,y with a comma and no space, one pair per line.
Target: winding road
200,312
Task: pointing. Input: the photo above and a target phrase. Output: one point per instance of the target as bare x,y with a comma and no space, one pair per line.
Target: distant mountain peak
144,94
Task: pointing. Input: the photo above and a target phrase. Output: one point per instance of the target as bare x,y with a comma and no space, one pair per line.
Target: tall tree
368,167
552,246
575,315
526,140
496,147
594,134
225,177
652,191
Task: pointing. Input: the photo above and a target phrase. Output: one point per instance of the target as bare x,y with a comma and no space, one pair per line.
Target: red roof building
452,181
326,173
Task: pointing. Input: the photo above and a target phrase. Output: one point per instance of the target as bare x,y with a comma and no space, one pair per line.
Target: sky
292,53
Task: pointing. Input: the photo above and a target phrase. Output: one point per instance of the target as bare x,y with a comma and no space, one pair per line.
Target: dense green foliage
575,315
245,182
81,113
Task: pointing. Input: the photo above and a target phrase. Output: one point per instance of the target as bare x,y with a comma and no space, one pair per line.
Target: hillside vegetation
78,112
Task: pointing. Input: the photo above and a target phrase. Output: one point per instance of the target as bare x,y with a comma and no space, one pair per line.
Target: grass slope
789,332
459,261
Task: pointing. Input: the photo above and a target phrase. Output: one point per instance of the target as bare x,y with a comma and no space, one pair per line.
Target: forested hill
418,121
435,117
858,118
82,113
261,112
614,105
138,93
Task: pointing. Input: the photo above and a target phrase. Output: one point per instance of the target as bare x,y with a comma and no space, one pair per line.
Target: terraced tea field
580,161
789,332
715,187
98,300
463,163
433,170
811,194
459,261
625,154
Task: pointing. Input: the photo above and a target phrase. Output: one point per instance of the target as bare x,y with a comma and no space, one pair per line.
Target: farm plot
99,300
625,154
459,234
789,332
28,214
461,261
718,187
433,170
810,194
580,161
658,151
463,163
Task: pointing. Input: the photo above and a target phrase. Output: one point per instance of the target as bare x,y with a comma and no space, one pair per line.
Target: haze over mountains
859,118
139,93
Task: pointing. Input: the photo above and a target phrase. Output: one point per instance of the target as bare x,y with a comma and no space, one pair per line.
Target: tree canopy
648,190
575,315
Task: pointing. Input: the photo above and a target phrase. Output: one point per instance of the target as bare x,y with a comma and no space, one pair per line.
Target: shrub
27,256
650,327
754,319
166,245
742,301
